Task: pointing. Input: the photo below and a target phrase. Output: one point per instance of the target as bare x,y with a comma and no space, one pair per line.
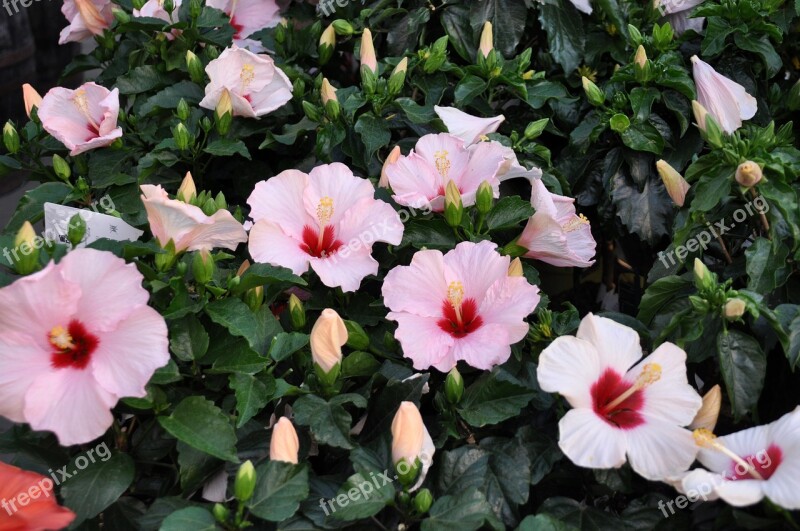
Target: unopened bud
327,43
182,110
76,230
593,92
61,167
674,182
393,157
535,129
297,312
641,65
748,174
423,501
26,253
245,483
368,58
221,513
515,268
706,417
182,137
454,386
11,138
31,97
203,267
329,100
195,67
734,309
398,77
487,40
342,27
187,191
484,198
453,207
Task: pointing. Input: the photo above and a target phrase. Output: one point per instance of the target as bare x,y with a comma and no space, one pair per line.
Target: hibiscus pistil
442,163
61,338
705,438
80,101
575,223
651,373
455,294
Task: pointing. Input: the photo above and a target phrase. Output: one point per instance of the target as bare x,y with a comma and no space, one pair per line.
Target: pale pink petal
337,182
71,404
484,348
275,95
110,288
414,182
486,160
617,345
468,128
447,154
548,241
221,230
727,101
281,200
370,221
590,442
477,266
269,244
345,272
127,357
508,302
582,5
570,366
21,362
657,449
418,288
423,341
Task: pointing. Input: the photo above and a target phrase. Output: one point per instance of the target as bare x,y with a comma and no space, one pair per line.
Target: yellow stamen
247,75
442,163
484,138
651,372
324,215
455,294
575,223
60,338
79,99
704,438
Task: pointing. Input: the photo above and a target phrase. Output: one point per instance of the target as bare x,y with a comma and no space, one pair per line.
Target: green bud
11,138
641,65
593,93
209,207
221,513
195,67
454,386
205,124
138,4
327,43
406,472
328,379
704,279
312,111
183,110
280,34
297,312
342,27
76,230
254,298
245,483
514,250
423,501
619,123
166,260
699,304
182,137
484,198
357,338
61,167
121,16
203,267
220,201
635,34
369,80
535,129
453,207
403,498
168,5
298,88
25,256
398,77
195,8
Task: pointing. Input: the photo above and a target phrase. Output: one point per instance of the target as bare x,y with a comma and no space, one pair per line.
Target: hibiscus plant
400,264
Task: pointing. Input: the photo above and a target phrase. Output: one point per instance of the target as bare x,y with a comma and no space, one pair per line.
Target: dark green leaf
202,425
743,365
280,487
94,488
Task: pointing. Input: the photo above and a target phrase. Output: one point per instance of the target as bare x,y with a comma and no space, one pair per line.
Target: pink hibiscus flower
327,219
459,306
74,339
468,128
187,226
724,99
419,179
253,82
86,18
744,467
621,406
555,234
248,17
155,9
82,119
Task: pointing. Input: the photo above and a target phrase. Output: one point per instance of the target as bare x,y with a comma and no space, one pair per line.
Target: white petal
657,449
617,345
589,441
741,493
569,366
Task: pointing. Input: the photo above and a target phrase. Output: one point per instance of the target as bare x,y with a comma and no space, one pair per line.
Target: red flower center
320,247
460,323
237,28
624,415
764,462
72,347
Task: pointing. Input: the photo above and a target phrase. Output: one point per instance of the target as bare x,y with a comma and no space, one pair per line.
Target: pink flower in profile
621,405
248,17
155,9
82,119
555,234
468,128
39,513
419,179
86,18
187,226
724,99
74,339
677,14
253,82
327,219
459,306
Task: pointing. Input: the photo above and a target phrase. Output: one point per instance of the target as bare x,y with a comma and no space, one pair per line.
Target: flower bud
168,5
61,167
195,67
328,336
220,512
182,137
329,100
423,501
327,43
76,230
619,123
25,257
398,77
707,415
254,298
593,92
209,207
700,114
535,129
394,156
182,110
187,191
166,260
220,201
699,304
454,386
357,338
487,40
748,174
245,483
284,444
31,97
195,8
515,268
224,113
641,65
703,278
484,198
11,138
709,128
342,27
297,312
408,435
203,267
453,208
312,111
734,309
368,58
674,182
121,15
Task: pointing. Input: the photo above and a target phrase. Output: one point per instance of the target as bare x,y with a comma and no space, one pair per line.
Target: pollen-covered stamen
705,438
442,163
60,338
247,75
455,294
575,223
73,346
651,372
80,101
324,215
